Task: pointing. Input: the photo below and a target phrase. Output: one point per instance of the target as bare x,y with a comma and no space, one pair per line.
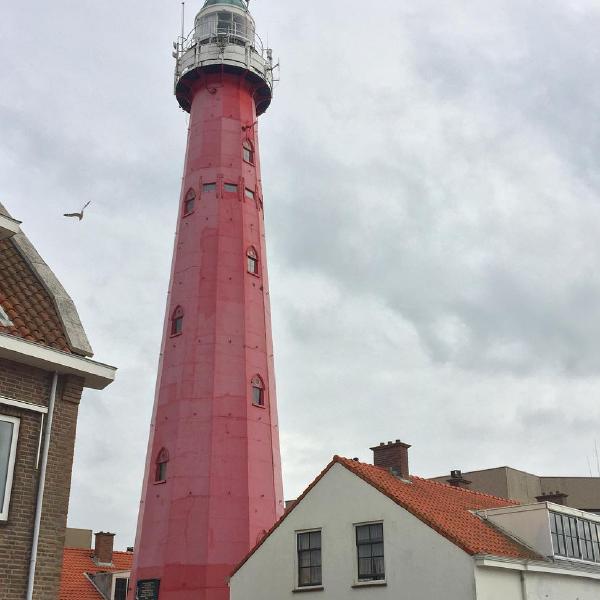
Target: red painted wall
223,488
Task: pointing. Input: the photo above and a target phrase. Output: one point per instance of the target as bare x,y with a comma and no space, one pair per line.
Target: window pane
304,577
209,187
315,539
315,558
315,575
303,541
364,568
230,187
378,569
364,551
376,531
257,396
362,533
377,550
304,558
6,434
249,194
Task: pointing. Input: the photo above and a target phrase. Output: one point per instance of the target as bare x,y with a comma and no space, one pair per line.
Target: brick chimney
556,497
457,480
392,456
103,548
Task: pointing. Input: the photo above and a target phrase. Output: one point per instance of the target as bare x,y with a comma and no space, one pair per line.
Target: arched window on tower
189,202
252,258
162,460
248,152
177,321
258,391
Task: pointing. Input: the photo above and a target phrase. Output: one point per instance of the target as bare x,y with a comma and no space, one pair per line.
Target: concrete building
577,492
100,573
45,365
374,531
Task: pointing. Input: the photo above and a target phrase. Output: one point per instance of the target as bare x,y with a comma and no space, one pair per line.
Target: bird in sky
79,214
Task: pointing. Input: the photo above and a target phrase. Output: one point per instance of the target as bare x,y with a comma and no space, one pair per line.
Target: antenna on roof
182,23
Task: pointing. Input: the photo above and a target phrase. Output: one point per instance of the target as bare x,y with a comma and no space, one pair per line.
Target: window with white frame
309,558
121,585
369,549
9,433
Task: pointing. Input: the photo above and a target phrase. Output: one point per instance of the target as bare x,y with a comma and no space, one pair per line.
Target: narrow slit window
189,202
258,391
177,321
231,187
249,194
209,187
369,547
9,433
248,152
252,258
161,466
309,559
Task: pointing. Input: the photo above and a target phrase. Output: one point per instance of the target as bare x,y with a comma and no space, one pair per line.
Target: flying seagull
79,214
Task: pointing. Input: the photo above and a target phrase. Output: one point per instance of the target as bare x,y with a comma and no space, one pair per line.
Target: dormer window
4,318
575,537
161,466
248,152
177,321
258,391
189,203
252,258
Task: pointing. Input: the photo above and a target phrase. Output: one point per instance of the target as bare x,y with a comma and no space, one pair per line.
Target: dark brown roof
27,303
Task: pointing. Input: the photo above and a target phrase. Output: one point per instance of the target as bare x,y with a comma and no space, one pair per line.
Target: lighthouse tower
212,483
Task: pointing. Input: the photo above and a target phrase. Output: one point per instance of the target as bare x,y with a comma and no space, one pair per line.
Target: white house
375,532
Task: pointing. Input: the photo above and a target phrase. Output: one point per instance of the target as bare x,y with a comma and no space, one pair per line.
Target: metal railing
221,36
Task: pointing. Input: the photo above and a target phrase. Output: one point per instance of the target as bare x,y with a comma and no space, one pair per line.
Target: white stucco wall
506,584
420,564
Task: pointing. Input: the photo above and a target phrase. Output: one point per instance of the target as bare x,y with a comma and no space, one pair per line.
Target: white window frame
357,583
11,465
306,588
4,318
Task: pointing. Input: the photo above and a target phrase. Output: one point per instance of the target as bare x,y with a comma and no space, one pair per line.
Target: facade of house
375,531
45,365
94,574
577,492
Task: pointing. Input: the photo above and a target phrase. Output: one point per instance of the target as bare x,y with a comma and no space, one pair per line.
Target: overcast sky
431,183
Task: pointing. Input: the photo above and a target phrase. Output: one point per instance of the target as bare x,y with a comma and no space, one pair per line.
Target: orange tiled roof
74,585
27,303
444,508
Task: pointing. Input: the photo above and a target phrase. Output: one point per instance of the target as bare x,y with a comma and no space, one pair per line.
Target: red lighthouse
212,484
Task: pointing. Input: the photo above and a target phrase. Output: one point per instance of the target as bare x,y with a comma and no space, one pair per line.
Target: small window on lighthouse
248,152
209,187
258,391
161,466
252,257
189,202
177,321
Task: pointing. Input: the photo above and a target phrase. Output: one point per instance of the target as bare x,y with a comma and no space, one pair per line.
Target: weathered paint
223,487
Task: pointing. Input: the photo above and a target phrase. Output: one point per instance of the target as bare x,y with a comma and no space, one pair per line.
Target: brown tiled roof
446,509
27,303
74,585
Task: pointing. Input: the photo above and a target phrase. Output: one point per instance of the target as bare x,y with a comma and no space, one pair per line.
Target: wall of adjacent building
512,584
33,385
420,564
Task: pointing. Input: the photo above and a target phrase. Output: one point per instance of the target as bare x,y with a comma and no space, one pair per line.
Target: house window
177,321
209,187
9,433
309,558
161,466
189,202
5,319
121,585
230,187
252,257
573,537
249,194
248,152
258,391
369,547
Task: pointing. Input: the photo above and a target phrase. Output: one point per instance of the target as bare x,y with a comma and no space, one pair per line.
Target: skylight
4,320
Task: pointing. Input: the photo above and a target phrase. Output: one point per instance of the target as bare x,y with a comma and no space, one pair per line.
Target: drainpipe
524,593
41,487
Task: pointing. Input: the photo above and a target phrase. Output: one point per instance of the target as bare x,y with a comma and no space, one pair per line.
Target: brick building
44,366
